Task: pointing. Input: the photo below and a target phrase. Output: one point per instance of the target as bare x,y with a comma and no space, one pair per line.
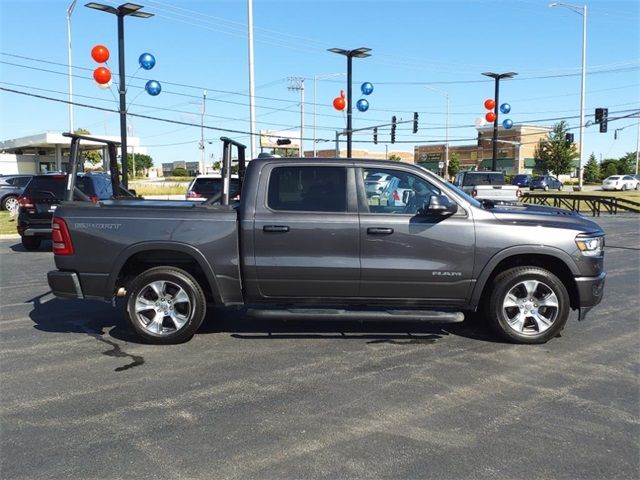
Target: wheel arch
142,256
556,261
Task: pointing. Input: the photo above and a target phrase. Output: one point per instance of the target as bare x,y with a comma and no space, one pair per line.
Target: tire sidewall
505,282
6,199
191,288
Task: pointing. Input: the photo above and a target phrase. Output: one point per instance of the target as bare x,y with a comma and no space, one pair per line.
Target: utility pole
297,84
202,152
252,91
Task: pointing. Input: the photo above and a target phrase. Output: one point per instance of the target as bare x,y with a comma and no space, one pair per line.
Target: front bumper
590,292
64,284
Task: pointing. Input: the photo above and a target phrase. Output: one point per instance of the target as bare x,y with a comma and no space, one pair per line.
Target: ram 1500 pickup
306,239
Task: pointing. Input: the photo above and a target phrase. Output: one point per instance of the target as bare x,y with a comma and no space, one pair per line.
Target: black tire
8,199
515,310
170,305
31,243
560,187
546,188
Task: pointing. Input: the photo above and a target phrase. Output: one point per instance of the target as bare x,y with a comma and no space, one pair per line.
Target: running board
359,315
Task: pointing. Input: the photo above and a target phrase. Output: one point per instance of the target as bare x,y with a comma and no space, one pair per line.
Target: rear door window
310,189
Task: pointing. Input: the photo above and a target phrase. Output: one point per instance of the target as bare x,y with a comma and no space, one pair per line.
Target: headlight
590,246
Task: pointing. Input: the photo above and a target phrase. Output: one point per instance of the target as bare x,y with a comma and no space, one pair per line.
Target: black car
44,193
522,180
11,187
545,182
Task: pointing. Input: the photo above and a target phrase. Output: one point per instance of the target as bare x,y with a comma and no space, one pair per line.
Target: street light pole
350,54
69,12
297,84
124,10
497,77
446,144
580,11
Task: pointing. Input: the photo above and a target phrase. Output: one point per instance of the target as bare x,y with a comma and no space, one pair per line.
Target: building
49,152
192,168
515,152
405,156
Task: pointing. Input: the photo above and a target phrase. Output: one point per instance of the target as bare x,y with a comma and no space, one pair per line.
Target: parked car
375,183
545,182
487,186
204,187
620,182
42,196
11,187
522,180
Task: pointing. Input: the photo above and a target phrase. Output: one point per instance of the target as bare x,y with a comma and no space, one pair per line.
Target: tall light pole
297,84
446,144
315,100
580,11
350,54
202,145
252,91
124,10
69,12
497,77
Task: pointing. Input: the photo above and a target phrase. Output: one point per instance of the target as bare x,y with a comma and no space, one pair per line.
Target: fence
592,203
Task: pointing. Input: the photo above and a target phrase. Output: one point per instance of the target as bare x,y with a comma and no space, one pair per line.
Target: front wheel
560,187
546,188
165,305
528,305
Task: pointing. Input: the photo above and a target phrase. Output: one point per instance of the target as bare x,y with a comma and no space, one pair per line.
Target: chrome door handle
379,231
275,228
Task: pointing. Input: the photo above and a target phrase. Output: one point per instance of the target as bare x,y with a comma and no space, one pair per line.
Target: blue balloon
366,88
362,105
507,123
147,61
153,88
505,108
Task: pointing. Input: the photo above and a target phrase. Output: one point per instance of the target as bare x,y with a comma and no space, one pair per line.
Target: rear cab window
308,188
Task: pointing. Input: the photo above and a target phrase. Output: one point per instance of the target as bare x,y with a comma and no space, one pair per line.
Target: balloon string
132,77
131,102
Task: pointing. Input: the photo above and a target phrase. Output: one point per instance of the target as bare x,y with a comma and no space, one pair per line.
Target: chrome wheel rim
11,204
530,307
162,307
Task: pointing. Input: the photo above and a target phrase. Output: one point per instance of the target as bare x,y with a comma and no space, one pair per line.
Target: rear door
306,232
409,257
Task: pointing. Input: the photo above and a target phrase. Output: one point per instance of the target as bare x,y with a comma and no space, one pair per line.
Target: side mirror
439,206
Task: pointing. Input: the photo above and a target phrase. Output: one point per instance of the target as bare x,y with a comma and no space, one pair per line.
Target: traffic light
602,116
415,122
569,138
393,129
375,135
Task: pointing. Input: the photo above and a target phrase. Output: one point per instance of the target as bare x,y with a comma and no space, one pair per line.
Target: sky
422,52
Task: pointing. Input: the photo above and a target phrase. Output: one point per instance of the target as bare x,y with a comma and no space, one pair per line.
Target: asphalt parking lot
248,398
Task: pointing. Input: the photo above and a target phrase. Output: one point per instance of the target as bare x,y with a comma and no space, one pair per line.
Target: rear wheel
10,203
624,187
528,305
31,243
165,305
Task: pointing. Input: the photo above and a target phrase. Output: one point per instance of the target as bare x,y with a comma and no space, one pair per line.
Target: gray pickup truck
306,240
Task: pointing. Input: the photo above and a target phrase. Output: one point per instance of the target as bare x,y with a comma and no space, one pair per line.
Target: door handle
379,231
275,228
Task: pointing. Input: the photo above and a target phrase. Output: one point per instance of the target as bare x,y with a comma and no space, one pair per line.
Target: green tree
609,169
592,170
554,153
394,157
454,164
143,162
92,156
180,172
627,164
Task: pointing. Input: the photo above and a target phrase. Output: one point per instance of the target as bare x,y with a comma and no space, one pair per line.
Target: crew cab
489,186
306,240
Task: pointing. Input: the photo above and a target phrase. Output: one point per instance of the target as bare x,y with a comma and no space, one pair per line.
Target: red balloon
339,103
100,53
102,75
489,104
491,117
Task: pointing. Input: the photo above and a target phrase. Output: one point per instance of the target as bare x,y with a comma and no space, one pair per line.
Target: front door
406,256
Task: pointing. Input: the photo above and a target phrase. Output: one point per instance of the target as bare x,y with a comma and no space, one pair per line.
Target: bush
180,172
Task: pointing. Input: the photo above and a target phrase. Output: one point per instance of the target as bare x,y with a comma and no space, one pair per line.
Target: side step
358,315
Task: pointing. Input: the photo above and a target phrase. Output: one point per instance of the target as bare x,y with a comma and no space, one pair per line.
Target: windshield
457,190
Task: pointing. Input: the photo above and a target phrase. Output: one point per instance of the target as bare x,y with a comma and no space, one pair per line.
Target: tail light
25,202
60,237
93,198
474,193
193,194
